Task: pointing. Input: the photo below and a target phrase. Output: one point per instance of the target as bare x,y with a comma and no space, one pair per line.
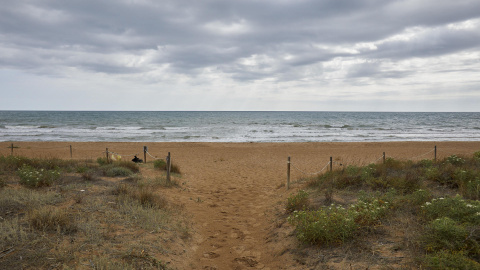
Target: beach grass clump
297,202
32,177
51,218
117,172
159,181
449,260
161,164
145,196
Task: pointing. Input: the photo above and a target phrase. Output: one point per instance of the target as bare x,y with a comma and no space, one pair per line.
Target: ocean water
237,126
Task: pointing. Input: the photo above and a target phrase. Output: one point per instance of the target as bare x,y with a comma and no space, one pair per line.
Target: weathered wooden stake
288,173
12,150
435,157
383,157
108,160
71,152
145,150
168,167
331,164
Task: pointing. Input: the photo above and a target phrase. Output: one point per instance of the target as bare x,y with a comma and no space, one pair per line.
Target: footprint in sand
210,255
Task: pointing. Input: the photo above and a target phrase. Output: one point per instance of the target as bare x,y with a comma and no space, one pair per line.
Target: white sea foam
238,126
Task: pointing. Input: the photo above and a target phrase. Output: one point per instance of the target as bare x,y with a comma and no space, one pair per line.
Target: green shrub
419,197
160,164
456,208
32,177
3,181
445,260
476,155
128,165
426,163
333,224
118,172
102,161
369,211
471,189
454,160
446,234
297,202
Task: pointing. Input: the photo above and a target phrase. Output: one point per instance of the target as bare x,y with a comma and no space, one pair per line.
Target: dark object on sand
137,160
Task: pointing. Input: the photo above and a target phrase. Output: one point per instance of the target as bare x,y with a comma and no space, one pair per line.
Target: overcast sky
315,55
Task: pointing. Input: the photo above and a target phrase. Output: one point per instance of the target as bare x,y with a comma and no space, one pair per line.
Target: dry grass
84,221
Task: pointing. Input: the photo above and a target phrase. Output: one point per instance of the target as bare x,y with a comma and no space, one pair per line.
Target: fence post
71,153
383,157
108,161
331,164
145,154
11,154
168,167
288,173
435,157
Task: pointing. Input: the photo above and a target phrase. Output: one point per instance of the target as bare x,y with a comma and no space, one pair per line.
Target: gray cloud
242,41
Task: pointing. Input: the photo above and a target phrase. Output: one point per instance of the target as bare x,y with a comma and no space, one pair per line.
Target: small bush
102,161
297,202
418,197
471,189
456,208
118,172
333,224
426,163
128,165
160,164
50,218
3,182
32,177
445,260
446,234
454,160
476,155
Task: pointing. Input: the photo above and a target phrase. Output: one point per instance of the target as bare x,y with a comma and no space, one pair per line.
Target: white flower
428,203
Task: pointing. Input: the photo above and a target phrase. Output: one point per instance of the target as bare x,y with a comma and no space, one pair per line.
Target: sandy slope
232,189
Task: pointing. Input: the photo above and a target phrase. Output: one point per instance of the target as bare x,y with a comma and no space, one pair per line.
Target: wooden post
71,152
383,157
12,147
435,157
288,173
168,167
331,164
108,160
145,150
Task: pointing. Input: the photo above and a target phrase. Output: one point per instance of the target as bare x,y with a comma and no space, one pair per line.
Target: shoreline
357,153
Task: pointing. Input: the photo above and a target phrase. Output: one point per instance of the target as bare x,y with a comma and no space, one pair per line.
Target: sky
261,55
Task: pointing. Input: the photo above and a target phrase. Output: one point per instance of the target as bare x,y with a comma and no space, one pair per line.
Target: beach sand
231,190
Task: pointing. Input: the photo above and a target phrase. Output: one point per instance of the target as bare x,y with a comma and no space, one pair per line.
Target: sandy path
230,190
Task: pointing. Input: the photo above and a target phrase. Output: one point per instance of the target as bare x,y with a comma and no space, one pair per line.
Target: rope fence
112,156
384,157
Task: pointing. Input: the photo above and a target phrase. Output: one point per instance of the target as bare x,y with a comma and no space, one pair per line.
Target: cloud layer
247,55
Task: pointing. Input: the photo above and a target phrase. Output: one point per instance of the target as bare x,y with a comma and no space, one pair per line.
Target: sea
245,126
